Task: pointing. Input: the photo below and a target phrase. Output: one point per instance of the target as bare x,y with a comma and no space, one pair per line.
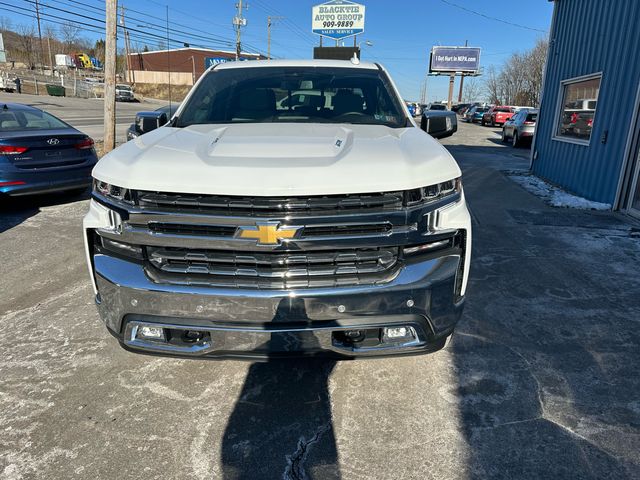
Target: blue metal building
588,129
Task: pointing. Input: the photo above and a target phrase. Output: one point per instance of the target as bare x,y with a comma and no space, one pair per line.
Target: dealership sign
211,61
455,59
338,19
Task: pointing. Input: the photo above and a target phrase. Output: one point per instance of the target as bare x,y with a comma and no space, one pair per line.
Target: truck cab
245,227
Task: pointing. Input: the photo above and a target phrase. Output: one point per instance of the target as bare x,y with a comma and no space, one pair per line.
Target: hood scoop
280,141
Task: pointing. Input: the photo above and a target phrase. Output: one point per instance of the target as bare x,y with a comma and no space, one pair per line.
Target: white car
245,227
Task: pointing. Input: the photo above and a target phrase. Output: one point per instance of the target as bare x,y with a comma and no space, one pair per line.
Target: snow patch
554,196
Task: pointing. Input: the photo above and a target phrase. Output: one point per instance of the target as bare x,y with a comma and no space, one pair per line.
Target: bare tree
472,90
520,80
493,88
6,24
536,60
70,33
26,45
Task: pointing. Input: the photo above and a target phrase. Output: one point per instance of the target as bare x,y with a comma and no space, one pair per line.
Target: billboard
337,19
454,59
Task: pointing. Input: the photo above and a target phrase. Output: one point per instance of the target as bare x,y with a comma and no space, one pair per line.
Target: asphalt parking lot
540,381
87,115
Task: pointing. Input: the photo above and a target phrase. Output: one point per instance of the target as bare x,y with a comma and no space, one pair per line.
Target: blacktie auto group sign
455,59
338,19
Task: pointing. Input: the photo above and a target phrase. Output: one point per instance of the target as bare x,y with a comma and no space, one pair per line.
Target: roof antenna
355,60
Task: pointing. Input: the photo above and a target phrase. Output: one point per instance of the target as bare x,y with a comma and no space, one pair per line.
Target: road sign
455,59
338,19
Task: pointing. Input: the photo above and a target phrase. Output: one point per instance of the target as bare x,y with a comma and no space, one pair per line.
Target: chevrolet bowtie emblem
267,233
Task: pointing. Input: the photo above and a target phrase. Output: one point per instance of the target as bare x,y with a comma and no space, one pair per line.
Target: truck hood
281,159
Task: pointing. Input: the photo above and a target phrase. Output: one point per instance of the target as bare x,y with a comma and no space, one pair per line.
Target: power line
488,17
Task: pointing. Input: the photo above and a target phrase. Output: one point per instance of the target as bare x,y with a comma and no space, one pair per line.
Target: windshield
293,94
437,107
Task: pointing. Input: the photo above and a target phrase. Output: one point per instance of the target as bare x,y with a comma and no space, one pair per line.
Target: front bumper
258,323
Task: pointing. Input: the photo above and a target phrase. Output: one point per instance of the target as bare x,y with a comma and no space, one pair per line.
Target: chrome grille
272,269
271,206
314,231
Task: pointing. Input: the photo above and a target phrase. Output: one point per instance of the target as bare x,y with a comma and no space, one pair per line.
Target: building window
579,99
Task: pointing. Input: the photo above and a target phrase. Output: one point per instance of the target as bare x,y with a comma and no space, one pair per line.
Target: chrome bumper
266,323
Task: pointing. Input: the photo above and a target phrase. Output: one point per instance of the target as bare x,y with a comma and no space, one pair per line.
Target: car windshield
503,109
438,107
294,94
13,120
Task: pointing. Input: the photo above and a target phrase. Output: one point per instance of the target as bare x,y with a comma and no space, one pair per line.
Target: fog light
151,333
398,333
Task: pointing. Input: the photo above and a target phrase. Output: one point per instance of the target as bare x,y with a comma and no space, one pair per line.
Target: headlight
434,193
112,191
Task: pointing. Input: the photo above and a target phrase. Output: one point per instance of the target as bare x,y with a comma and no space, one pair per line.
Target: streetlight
367,43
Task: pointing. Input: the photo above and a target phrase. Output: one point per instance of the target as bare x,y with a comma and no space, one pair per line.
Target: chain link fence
68,84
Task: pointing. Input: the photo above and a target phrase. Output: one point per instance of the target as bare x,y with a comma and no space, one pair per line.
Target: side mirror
148,121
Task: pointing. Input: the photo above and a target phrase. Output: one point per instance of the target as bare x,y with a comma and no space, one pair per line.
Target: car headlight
434,193
112,192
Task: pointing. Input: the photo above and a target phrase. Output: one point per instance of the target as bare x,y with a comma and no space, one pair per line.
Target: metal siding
591,36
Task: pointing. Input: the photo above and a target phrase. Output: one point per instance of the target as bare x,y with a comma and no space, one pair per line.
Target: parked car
439,123
474,115
41,153
459,108
239,229
486,116
436,106
577,118
520,127
468,113
7,84
124,93
159,117
501,114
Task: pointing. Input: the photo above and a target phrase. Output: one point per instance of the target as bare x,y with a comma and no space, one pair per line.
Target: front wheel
483,123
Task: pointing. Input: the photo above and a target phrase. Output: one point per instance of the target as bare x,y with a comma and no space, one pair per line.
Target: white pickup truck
252,227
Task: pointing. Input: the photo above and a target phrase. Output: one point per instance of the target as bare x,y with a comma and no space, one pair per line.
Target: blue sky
402,32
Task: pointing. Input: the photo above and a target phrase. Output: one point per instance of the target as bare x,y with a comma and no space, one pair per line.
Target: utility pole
50,57
452,79
40,54
270,21
462,79
110,75
238,23
168,58
126,44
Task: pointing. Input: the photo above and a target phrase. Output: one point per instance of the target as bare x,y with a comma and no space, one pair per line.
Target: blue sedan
40,153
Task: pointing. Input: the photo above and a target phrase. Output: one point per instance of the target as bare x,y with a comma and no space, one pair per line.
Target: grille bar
216,267
271,205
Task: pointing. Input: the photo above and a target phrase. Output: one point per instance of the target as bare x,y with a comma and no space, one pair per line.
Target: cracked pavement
540,381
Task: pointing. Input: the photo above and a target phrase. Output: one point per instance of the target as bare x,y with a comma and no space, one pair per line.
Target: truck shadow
282,425
15,210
